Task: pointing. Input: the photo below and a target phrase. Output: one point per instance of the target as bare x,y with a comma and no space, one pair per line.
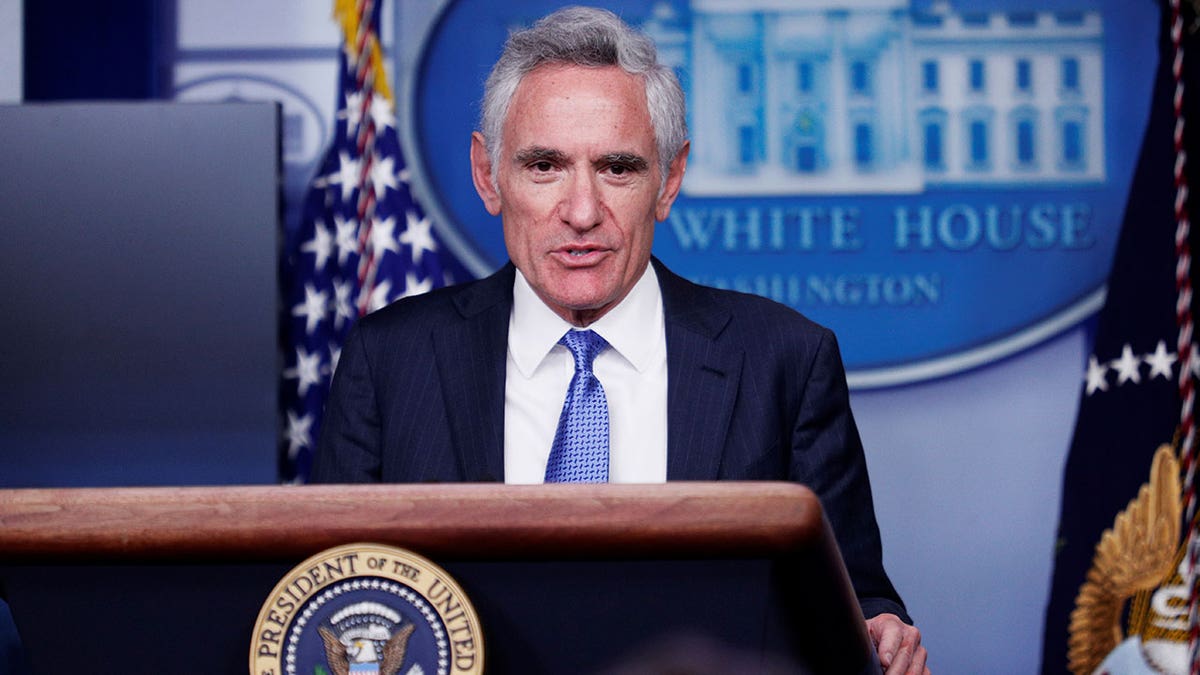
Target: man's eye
618,169
542,166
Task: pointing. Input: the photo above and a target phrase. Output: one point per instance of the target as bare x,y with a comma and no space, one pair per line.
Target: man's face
578,186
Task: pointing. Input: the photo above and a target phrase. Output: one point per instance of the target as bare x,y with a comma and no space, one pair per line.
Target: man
583,147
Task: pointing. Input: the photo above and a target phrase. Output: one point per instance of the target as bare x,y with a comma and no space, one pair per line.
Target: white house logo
367,609
942,185
876,99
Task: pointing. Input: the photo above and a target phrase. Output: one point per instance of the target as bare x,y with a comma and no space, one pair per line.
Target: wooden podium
565,578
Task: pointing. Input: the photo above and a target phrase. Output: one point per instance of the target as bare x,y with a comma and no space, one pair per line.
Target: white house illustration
824,97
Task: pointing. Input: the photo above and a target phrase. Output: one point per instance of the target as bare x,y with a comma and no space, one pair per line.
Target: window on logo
977,75
863,151
1072,127
934,160
745,78
1070,18
933,131
1072,143
805,140
1026,145
1024,76
860,78
929,77
1070,74
806,158
1023,19
804,77
746,145
977,143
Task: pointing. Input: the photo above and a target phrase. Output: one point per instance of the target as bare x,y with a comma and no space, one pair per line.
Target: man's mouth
580,251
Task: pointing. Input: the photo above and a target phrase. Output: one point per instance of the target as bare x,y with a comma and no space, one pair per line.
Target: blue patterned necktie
580,450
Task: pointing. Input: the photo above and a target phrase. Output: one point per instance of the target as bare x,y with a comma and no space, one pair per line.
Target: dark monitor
138,293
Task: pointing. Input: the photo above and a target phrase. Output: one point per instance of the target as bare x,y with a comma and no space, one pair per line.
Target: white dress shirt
633,372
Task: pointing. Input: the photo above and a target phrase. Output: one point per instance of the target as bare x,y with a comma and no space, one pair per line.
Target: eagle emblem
1138,566
366,638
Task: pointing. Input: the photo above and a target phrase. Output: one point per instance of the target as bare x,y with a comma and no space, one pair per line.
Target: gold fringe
346,14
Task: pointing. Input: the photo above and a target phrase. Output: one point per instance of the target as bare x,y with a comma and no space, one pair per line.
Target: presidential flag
362,242
1119,601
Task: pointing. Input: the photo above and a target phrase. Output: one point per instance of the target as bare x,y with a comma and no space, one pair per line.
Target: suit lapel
471,356
703,372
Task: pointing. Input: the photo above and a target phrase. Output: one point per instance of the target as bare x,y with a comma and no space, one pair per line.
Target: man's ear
481,174
674,180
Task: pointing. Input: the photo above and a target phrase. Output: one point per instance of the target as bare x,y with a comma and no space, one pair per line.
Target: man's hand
898,645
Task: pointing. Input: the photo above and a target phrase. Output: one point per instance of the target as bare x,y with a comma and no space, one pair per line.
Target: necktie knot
585,345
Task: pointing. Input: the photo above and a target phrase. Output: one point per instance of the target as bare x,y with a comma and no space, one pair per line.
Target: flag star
418,234
347,174
383,176
1127,367
1160,361
1096,376
298,433
307,370
380,295
321,245
414,286
342,303
382,112
313,309
347,237
383,236
353,112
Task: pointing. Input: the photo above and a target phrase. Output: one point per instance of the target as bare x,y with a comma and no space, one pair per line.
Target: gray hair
586,36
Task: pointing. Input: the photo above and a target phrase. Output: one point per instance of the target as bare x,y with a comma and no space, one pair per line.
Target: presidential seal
367,609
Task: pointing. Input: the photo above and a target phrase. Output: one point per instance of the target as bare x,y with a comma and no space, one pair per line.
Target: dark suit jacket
755,392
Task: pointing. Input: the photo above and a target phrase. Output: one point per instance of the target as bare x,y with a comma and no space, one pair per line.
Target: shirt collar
633,328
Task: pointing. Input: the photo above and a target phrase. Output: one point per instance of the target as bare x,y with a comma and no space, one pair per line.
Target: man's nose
581,207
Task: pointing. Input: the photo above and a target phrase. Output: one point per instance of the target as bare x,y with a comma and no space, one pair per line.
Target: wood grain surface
460,521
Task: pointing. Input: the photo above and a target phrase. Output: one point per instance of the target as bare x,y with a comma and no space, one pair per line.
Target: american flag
362,242
1120,603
